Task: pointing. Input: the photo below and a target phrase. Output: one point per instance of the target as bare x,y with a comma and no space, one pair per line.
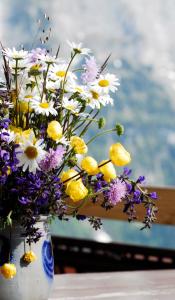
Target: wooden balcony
165,203
90,256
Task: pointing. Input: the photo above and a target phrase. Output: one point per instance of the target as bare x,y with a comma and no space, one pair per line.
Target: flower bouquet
47,105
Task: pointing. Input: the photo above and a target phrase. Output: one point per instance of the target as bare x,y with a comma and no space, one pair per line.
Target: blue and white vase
33,281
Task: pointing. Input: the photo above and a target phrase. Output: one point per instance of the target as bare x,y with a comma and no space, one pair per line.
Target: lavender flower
91,70
52,159
117,191
153,195
127,172
141,179
35,53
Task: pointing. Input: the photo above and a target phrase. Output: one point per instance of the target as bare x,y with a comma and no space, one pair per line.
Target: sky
140,32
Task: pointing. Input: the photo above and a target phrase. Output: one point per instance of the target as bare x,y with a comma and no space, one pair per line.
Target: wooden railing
89,256
165,204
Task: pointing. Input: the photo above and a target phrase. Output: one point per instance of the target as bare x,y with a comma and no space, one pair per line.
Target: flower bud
54,130
107,170
119,156
67,175
8,270
89,164
76,190
101,123
78,145
119,129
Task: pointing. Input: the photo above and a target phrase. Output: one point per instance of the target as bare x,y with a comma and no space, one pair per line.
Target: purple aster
91,70
52,159
117,191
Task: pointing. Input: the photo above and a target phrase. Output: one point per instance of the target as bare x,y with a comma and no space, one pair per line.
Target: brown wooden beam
165,204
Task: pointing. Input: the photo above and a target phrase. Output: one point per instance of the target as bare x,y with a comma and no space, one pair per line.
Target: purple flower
148,212
24,200
137,196
35,53
52,159
91,70
117,191
127,172
129,187
153,195
4,123
141,179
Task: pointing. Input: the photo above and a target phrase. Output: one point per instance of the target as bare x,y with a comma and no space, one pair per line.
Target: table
133,285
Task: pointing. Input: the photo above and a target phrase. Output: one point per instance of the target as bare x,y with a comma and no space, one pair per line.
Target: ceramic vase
33,281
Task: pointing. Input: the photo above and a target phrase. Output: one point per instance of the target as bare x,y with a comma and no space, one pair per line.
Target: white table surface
133,285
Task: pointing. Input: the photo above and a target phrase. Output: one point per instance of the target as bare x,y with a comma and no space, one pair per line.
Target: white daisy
30,154
28,94
77,88
35,68
106,83
48,59
58,72
95,99
15,54
71,105
63,141
78,48
44,108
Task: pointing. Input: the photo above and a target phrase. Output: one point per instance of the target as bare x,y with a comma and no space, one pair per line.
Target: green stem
83,172
16,88
44,83
64,80
88,124
99,134
37,85
79,69
82,123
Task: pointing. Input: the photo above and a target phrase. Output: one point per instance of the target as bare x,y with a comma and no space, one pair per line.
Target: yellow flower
119,156
107,170
22,134
89,164
8,270
79,145
68,174
29,256
76,190
54,130
24,107
16,129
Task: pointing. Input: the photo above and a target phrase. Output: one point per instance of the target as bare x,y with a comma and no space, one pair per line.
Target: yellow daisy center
78,89
28,96
60,73
70,107
95,95
44,105
31,152
35,67
103,83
